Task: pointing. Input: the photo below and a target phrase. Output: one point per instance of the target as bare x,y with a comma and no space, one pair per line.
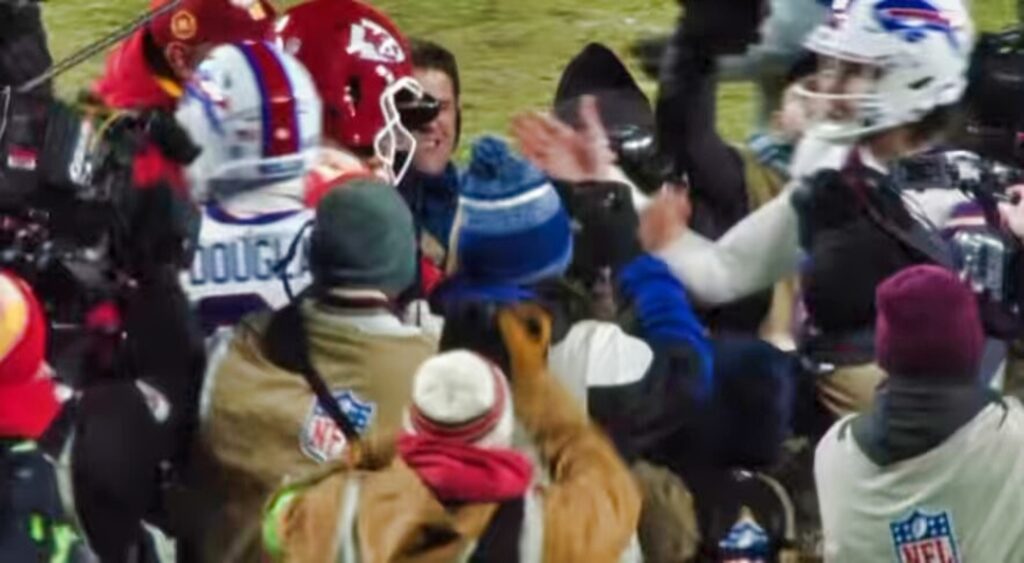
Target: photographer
263,421
457,478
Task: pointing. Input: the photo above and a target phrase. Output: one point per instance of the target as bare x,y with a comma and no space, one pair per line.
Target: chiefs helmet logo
184,26
372,42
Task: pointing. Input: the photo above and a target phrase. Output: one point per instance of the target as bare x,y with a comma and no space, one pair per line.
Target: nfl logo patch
321,439
924,537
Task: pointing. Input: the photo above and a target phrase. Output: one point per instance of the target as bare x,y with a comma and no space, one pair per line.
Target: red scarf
460,472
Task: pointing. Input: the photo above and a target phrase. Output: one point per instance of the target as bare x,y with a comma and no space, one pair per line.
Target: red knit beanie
199,22
28,397
928,324
462,397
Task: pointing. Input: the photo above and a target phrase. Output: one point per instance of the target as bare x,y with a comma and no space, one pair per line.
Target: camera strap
286,344
915,238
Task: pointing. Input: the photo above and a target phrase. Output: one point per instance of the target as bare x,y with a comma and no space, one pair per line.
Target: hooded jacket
130,81
949,495
383,512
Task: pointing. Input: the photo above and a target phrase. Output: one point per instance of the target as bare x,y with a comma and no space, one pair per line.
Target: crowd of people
609,335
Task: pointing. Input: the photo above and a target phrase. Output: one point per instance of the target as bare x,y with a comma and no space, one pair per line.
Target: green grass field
511,52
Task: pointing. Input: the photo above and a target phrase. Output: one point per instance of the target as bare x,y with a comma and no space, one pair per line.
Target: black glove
723,27
172,140
606,228
161,225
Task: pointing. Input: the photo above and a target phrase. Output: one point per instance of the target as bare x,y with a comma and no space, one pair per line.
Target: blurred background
510,52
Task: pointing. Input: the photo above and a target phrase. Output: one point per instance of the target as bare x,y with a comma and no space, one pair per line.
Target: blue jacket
433,200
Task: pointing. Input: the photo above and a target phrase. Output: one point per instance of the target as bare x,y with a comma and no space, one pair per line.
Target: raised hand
562,152
665,219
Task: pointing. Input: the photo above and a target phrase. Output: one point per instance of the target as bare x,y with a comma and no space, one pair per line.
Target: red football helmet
362,66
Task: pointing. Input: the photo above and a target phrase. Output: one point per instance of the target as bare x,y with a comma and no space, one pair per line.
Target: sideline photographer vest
260,423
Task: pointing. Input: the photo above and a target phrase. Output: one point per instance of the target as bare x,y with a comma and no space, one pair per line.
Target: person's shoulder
1006,414
838,440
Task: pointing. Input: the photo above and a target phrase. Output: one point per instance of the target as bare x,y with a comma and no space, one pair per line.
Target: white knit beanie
461,396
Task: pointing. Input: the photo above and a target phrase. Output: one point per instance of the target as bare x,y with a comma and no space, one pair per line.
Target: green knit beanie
363,239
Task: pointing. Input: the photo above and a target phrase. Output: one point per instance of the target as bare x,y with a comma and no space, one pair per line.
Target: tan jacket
261,424
588,513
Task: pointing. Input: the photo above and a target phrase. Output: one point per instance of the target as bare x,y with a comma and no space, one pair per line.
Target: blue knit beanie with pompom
511,227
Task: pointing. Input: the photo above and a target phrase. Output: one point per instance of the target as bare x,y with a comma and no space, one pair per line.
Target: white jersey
233,272
960,501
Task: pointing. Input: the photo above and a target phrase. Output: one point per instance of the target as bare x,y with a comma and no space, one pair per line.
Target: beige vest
262,424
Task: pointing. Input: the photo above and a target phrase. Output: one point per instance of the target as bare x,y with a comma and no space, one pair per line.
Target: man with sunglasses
431,188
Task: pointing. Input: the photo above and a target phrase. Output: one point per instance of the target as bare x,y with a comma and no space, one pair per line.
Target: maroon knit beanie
928,325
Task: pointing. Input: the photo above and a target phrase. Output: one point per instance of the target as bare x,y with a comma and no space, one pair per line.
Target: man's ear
179,59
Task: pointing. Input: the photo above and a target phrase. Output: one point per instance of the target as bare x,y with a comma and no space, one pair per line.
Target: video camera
68,208
986,257
982,179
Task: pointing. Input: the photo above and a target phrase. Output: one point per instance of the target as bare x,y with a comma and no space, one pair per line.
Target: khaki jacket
589,512
262,425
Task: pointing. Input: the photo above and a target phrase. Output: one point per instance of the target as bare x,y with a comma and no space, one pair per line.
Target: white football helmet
918,52
255,112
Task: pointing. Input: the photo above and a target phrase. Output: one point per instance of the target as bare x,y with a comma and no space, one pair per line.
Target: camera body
69,210
982,179
986,257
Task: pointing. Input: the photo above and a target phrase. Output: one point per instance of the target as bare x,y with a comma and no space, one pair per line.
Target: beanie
363,239
28,397
198,22
597,71
510,226
461,396
928,324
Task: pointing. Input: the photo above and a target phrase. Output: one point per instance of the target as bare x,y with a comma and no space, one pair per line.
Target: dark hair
938,124
431,56
803,66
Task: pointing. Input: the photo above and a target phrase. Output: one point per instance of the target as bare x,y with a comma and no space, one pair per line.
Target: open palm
562,152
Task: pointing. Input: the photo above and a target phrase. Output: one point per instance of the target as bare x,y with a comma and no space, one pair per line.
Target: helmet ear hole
354,90
917,85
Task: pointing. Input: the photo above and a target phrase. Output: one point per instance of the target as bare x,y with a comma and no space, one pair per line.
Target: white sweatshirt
764,247
960,501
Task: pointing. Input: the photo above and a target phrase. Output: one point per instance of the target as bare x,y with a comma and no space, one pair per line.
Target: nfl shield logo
925,536
321,439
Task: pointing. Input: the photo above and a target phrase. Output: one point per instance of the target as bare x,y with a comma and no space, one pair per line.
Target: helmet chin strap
393,136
